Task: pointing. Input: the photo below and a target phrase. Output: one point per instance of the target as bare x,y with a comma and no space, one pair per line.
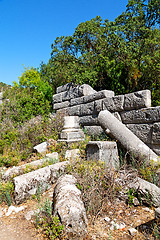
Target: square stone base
104,151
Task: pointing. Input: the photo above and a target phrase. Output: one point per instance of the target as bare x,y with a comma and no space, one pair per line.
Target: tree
30,97
122,55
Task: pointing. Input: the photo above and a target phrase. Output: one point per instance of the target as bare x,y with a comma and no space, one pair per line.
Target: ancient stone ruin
133,110
128,118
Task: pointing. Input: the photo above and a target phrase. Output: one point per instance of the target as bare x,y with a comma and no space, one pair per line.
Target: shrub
17,142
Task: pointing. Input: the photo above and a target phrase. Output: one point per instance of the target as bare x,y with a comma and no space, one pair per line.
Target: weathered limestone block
142,131
53,155
144,115
41,148
89,120
90,98
148,191
57,106
72,135
71,122
73,93
156,133
93,130
98,106
136,100
104,151
68,206
72,155
87,109
85,90
15,171
98,95
128,139
63,111
65,87
74,111
77,101
57,98
114,104
27,184
92,120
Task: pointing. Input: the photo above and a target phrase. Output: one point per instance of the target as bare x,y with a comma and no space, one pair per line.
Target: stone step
37,181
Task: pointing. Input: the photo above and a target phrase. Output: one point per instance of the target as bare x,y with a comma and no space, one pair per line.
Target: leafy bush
17,142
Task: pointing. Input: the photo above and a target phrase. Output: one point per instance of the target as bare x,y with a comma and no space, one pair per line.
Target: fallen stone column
27,184
68,206
149,192
16,171
128,139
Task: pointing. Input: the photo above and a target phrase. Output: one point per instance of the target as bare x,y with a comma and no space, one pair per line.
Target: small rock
107,219
29,215
120,211
1,212
117,226
148,210
18,209
72,154
15,209
41,148
136,202
132,231
53,155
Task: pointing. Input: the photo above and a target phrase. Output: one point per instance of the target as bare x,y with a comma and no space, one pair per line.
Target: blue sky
29,27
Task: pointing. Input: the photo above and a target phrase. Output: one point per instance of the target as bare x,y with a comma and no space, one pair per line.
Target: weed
131,195
47,223
38,193
6,191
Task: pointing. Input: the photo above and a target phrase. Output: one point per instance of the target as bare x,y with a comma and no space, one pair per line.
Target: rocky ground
117,221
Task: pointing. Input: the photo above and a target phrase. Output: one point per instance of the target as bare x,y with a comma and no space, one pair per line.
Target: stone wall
133,109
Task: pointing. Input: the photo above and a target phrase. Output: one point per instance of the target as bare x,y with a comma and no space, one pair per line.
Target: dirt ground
16,227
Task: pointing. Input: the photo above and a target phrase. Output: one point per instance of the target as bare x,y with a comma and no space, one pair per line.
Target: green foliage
47,223
131,195
17,141
123,55
3,86
24,104
6,192
149,173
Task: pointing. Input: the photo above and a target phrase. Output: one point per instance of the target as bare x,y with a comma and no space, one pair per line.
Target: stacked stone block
133,109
